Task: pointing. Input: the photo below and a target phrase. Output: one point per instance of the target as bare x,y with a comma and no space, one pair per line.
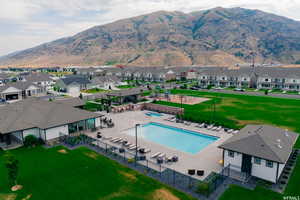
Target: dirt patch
16,188
190,100
163,194
27,197
116,194
63,151
8,196
129,176
92,155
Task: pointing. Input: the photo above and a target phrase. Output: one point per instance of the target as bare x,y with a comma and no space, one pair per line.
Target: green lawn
236,193
236,111
94,90
80,174
126,86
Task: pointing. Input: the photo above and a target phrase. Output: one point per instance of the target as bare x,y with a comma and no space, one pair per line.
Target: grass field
79,174
236,111
125,86
94,90
235,192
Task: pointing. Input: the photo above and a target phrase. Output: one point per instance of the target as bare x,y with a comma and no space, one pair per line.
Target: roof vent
278,144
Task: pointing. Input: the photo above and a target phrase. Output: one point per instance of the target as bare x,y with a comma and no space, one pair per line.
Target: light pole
136,147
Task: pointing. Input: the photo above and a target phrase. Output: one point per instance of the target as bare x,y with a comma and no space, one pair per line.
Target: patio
208,159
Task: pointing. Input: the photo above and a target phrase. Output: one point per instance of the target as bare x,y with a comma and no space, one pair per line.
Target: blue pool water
152,114
180,139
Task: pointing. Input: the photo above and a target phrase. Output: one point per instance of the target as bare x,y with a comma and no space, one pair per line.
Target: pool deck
207,159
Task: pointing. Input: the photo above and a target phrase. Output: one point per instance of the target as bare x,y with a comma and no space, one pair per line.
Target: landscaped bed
61,174
236,111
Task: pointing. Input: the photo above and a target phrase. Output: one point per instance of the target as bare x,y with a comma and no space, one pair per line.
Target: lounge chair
219,128
155,155
235,132
200,125
187,123
133,148
147,150
214,128
106,138
230,131
210,127
161,155
127,144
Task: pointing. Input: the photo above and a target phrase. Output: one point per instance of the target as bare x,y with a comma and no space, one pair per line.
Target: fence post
160,170
105,148
173,177
124,155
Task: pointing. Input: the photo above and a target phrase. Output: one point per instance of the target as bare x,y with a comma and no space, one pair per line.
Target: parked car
239,89
194,88
2,100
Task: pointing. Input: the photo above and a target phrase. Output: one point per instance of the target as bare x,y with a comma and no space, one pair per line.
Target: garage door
74,91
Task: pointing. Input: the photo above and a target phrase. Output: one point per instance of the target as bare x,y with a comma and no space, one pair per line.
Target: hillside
217,36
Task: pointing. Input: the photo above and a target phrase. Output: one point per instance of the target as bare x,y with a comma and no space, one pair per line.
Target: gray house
44,119
261,151
73,84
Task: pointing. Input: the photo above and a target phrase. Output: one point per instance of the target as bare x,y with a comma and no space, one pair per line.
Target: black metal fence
162,172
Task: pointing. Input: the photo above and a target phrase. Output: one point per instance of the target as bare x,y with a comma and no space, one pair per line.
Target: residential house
20,90
261,151
105,82
43,119
73,84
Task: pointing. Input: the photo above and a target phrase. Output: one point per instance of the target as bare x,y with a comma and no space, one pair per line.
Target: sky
28,23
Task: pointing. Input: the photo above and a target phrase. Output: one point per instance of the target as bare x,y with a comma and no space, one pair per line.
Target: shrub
203,188
31,141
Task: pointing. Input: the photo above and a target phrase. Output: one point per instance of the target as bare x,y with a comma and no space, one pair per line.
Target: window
257,160
231,154
269,164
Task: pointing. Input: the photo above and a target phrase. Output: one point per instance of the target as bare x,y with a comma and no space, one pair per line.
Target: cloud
26,23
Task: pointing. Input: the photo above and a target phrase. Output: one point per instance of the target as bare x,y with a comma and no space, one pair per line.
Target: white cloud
36,21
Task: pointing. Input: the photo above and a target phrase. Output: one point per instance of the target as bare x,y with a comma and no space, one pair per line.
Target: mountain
219,36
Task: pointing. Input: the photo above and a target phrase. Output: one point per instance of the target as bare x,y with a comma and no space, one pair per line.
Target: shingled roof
34,112
263,141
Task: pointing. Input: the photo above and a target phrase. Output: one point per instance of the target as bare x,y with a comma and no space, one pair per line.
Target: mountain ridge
218,36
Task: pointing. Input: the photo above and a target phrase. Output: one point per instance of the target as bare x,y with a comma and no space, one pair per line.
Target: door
246,164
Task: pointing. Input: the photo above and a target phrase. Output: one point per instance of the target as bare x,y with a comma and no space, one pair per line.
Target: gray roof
38,77
103,79
34,112
73,102
21,85
263,141
68,80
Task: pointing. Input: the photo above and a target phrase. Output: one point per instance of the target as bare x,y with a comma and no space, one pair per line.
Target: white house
261,151
20,90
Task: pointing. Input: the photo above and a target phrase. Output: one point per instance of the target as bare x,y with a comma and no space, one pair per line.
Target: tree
80,96
12,165
266,92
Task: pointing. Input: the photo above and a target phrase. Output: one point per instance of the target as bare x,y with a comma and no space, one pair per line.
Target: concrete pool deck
207,159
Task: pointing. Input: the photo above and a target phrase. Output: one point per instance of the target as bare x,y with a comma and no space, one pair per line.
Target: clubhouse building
43,119
261,151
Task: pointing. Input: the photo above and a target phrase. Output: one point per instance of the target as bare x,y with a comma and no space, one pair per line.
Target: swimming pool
153,114
180,139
